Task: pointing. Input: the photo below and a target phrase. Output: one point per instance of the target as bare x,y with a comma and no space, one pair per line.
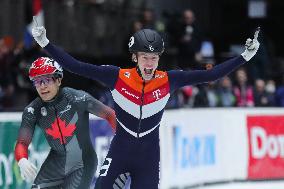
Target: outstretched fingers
35,21
256,33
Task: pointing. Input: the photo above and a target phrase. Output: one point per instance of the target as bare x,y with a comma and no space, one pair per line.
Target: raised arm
179,78
105,74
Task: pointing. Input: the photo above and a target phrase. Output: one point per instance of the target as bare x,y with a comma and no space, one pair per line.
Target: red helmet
45,66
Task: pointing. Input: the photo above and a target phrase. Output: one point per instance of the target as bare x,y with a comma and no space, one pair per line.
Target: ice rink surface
247,185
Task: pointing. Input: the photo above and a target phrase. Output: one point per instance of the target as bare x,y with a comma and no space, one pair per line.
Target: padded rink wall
210,146
200,148
10,178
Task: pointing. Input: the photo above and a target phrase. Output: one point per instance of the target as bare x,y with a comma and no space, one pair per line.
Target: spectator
7,73
225,93
149,21
189,41
23,58
270,88
189,93
279,95
136,26
242,90
206,96
261,96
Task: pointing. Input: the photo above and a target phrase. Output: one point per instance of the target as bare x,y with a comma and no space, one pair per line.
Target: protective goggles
45,80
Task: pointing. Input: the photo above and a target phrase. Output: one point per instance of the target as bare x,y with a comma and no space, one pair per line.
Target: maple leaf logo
66,130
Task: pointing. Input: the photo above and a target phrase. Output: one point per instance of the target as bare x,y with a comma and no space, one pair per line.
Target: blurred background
197,33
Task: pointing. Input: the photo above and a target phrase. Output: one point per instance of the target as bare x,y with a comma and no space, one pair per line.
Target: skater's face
147,63
47,86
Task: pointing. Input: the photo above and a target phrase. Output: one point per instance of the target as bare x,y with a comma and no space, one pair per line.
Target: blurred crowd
187,48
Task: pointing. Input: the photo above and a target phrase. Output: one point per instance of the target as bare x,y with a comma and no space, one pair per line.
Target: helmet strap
136,62
139,71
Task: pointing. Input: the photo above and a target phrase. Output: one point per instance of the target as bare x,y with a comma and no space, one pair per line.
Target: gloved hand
251,46
28,170
39,34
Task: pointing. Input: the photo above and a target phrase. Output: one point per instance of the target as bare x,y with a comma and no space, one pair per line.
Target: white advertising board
206,145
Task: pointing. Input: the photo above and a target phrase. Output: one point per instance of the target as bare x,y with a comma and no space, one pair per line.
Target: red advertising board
266,147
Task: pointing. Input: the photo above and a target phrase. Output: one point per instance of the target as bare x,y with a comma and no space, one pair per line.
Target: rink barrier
199,147
207,146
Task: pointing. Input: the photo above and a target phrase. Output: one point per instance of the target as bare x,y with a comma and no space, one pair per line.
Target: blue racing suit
139,107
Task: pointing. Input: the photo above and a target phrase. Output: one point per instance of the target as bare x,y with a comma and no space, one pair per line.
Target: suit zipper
59,129
142,103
